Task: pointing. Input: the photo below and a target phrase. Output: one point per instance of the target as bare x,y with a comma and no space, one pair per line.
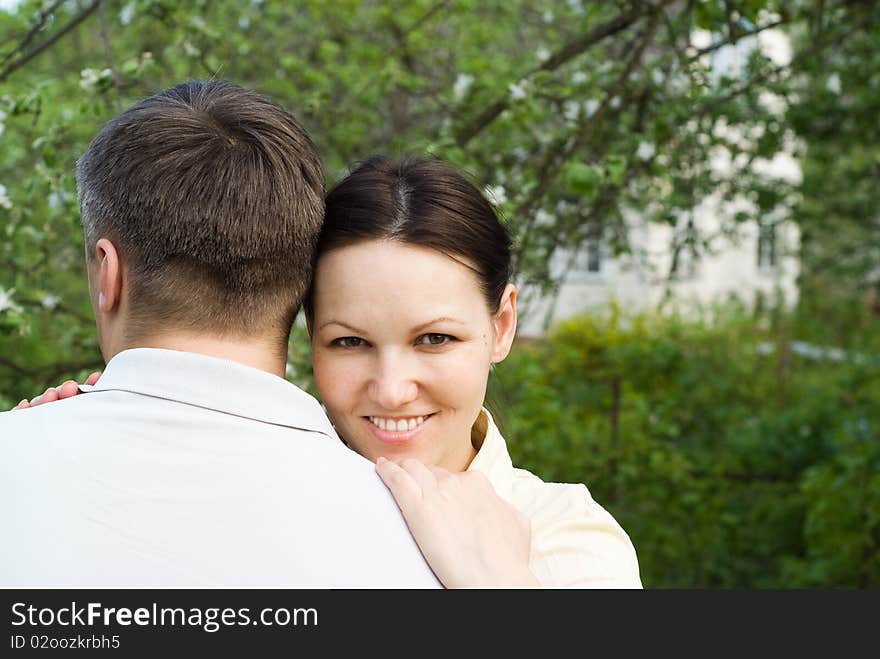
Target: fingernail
380,460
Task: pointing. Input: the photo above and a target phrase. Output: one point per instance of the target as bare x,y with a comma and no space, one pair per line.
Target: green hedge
732,460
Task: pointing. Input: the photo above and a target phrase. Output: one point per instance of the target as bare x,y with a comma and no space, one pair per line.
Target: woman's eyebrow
345,325
442,319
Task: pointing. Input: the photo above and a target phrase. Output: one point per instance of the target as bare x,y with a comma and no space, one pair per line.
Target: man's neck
262,354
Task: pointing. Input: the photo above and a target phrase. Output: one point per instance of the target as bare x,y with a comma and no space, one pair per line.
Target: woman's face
402,341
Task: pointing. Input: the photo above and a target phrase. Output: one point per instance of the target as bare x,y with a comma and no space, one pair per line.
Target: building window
768,256
584,266
589,260
684,255
594,254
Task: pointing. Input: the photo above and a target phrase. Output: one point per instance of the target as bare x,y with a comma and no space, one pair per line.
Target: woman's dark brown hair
424,202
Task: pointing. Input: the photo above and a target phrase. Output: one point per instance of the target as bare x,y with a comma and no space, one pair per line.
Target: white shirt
576,543
181,470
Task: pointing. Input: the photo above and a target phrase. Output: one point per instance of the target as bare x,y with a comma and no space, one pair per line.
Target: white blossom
590,107
542,54
570,110
126,14
833,83
547,16
6,301
576,7
50,301
90,77
578,77
463,82
645,151
497,195
678,83
658,76
517,90
87,78
563,205
543,218
5,201
57,198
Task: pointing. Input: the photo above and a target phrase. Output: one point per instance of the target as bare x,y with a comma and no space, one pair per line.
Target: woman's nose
394,384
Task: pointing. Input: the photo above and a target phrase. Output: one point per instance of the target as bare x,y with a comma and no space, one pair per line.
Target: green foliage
730,459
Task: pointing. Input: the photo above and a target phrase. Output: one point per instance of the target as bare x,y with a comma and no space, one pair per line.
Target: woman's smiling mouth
398,429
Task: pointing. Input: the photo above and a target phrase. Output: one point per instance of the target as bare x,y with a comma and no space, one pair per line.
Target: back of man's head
213,195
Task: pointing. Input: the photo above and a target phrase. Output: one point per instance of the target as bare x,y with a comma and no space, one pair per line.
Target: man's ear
109,275
505,324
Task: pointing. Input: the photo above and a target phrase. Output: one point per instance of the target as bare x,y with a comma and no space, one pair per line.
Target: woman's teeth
397,425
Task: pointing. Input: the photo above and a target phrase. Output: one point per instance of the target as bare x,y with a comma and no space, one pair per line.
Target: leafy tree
731,460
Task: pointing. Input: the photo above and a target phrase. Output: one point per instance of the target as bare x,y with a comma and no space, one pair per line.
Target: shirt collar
492,458
213,383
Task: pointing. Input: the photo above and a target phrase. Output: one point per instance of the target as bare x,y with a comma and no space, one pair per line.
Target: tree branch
36,50
108,48
553,162
736,36
817,48
42,17
565,54
428,15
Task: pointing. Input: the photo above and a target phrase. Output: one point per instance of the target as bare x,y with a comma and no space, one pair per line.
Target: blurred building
759,266
755,264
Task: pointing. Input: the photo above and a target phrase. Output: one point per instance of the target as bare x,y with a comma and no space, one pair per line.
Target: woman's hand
66,389
469,535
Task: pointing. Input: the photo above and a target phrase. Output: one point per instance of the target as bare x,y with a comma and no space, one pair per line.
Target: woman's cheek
465,377
329,375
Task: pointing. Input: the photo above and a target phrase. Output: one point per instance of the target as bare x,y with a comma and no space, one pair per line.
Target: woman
411,306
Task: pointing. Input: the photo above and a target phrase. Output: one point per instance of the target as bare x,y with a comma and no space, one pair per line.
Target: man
193,462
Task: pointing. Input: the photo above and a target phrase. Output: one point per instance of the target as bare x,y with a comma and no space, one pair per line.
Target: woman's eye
348,342
435,339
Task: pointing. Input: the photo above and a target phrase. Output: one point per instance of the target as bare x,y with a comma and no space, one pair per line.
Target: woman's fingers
420,473
467,533
405,489
48,396
439,472
67,389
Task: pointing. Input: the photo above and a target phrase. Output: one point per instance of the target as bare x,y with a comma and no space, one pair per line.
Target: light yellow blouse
575,542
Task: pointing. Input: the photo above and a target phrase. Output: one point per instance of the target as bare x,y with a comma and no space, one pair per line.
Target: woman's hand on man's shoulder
66,389
469,535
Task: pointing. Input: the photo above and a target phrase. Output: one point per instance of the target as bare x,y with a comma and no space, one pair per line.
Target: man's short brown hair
213,195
